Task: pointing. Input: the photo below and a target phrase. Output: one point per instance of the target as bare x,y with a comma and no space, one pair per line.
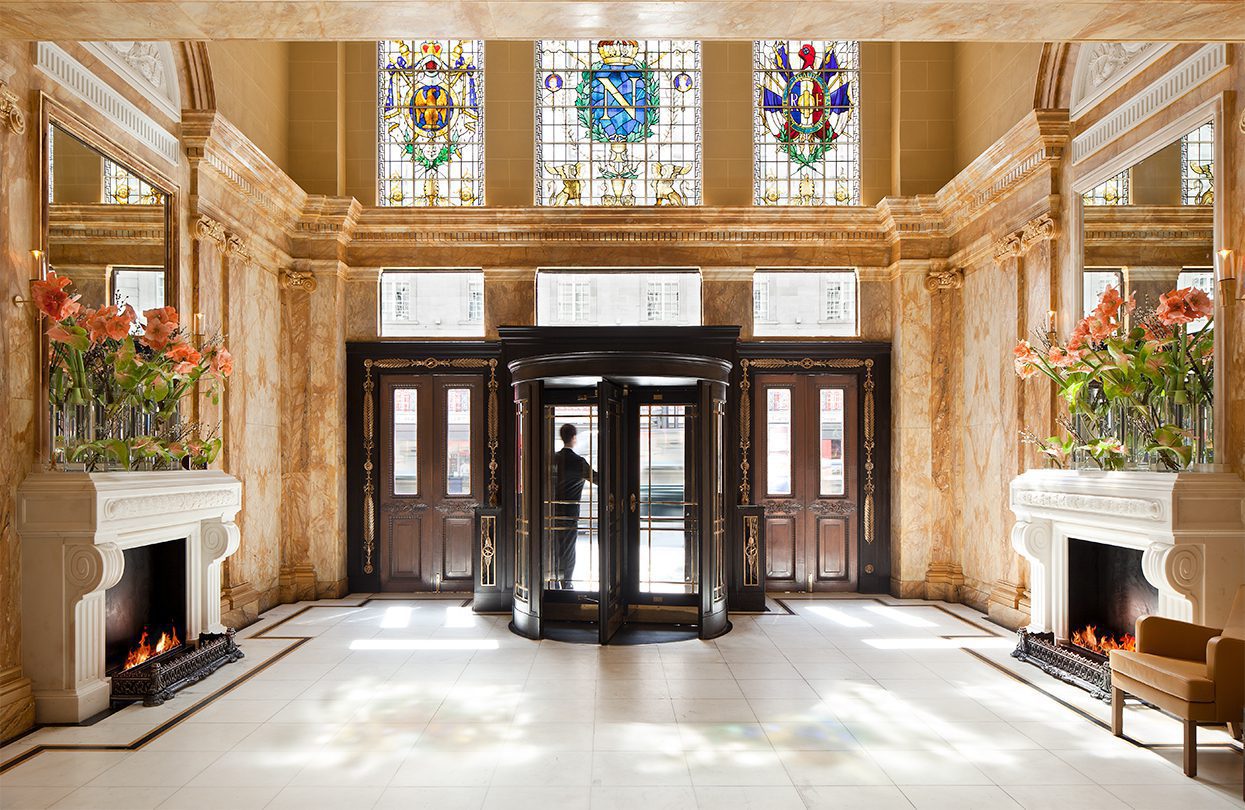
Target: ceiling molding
75,77
148,67
1190,73
893,20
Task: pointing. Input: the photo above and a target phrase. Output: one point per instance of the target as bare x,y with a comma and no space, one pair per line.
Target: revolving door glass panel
572,544
667,557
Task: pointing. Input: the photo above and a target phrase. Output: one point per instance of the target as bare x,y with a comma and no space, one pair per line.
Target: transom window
805,302
430,127
1197,166
1113,191
806,131
432,303
617,298
618,122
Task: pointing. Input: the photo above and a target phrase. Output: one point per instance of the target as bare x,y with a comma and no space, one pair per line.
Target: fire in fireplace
1107,593
147,650
146,609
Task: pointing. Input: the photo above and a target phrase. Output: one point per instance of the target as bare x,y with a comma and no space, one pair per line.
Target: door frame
869,362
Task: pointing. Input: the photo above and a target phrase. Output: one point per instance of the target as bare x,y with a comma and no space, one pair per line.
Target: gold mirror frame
53,113
1211,110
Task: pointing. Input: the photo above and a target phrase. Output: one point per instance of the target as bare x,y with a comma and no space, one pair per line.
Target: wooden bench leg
1190,748
1117,711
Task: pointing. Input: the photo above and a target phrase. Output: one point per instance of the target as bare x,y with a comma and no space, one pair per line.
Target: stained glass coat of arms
618,122
431,122
806,133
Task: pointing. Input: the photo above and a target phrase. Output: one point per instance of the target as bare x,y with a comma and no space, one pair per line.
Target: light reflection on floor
422,703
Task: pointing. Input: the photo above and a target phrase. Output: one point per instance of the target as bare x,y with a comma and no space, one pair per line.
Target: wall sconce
38,256
198,326
1050,325
1229,276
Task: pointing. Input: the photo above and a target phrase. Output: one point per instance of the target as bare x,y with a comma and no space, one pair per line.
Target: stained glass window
618,122
806,133
1197,166
430,109
123,187
1112,191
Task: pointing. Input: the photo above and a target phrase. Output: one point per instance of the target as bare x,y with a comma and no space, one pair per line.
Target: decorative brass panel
369,433
488,550
752,550
807,364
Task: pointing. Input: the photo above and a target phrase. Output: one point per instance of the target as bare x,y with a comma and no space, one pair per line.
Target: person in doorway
570,471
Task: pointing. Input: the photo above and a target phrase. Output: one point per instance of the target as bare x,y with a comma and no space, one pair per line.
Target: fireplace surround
75,529
1188,527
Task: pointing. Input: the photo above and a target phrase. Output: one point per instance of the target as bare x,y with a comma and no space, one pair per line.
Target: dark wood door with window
806,478
431,474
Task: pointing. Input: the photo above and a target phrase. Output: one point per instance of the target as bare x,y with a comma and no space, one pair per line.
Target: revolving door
620,507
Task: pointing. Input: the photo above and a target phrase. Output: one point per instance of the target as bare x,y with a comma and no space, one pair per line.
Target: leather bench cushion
1186,680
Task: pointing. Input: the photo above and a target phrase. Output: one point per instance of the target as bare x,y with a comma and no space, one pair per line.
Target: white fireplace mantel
74,529
1189,526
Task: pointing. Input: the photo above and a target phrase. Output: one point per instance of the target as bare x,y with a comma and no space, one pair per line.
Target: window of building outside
140,287
431,303
1096,280
816,303
617,298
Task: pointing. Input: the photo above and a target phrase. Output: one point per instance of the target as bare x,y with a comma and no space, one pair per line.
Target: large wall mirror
1148,229
108,222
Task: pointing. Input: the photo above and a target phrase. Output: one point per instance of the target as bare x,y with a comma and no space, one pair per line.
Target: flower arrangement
1132,385
115,393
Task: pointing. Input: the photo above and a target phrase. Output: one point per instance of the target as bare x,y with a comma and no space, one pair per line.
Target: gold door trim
806,364
369,433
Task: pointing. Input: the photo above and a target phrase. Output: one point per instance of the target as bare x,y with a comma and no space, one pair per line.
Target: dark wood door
807,479
431,457
612,482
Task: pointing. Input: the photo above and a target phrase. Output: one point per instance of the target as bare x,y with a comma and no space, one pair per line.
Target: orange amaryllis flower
222,362
184,356
1060,357
110,322
1183,306
160,326
1026,360
51,298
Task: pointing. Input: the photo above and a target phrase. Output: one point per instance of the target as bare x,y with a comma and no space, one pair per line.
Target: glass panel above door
618,298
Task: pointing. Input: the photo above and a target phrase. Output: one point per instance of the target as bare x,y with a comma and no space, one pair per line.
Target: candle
1050,321
1227,267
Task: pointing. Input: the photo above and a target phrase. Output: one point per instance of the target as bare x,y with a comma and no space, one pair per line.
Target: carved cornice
10,112
137,506
99,223
1149,223
299,280
1099,504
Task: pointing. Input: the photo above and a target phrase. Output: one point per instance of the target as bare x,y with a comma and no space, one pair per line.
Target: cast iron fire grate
159,679
1074,665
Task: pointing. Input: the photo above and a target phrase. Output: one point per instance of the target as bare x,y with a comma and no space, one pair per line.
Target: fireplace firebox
1107,591
146,606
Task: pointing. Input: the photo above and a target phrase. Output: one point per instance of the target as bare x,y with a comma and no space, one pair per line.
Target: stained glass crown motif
618,51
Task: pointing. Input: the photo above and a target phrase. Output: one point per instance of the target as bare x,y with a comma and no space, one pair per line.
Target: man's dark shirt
570,470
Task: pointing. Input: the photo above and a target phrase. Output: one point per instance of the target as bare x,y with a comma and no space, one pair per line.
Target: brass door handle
633,502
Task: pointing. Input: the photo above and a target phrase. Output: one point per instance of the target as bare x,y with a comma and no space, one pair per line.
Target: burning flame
1090,640
146,649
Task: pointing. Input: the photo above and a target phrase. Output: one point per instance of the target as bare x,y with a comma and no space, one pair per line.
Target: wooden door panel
456,529
832,553
405,534
780,547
